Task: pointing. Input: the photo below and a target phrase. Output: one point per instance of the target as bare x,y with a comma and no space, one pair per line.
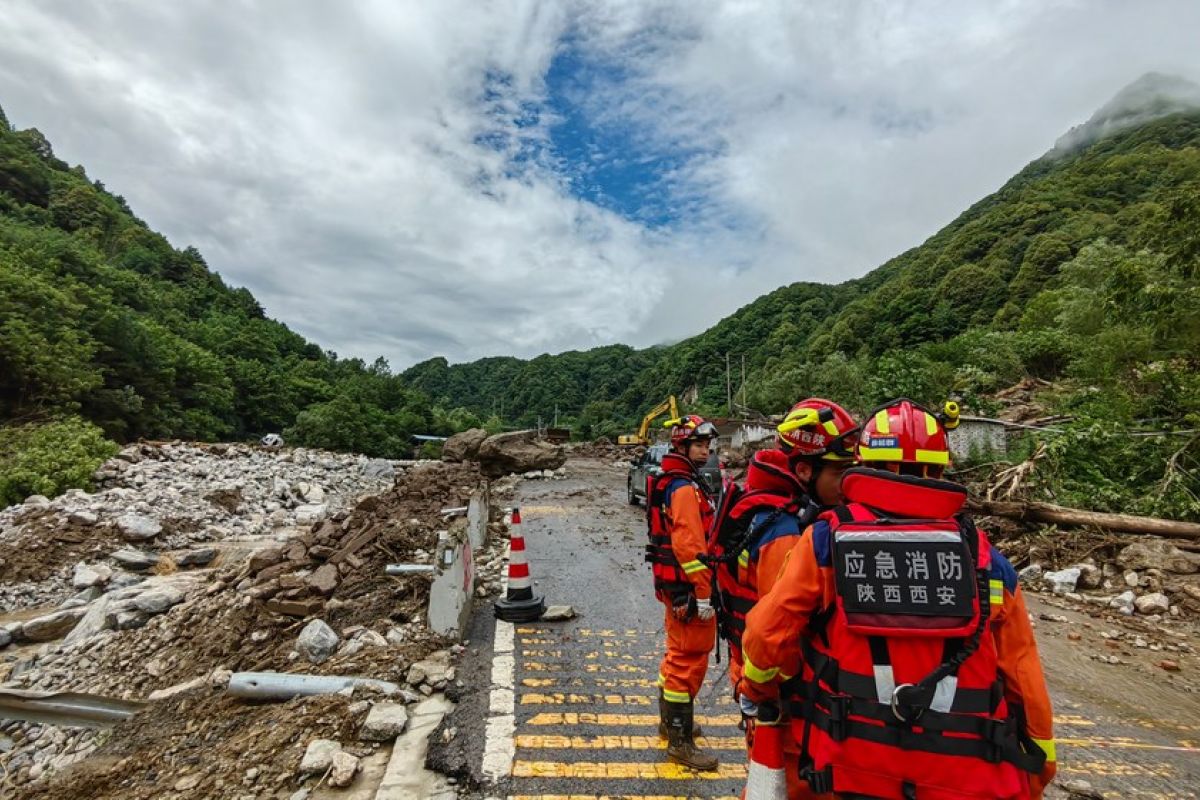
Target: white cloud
327,156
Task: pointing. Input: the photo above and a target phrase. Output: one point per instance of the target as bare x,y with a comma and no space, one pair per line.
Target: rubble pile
158,501
171,625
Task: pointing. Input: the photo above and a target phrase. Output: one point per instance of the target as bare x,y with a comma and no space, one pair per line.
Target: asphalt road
583,696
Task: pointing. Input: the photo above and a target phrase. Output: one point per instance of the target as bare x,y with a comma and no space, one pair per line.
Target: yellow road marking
567,669
1120,742
1111,769
598,683
536,742
544,509
559,698
589,718
612,770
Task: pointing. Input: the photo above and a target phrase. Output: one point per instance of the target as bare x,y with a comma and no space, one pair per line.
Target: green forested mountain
104,323
1081,269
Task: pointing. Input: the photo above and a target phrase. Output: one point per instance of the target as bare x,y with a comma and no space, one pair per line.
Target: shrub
49,458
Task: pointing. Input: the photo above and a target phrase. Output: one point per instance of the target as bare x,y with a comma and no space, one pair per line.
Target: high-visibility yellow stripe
622,720
996,592
759,675
612,770
744,558
881,422
931,424
880,453
670,695
830,427
1047,746
693,566
620,742
933,457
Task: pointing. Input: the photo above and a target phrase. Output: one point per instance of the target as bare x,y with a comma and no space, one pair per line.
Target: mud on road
572,709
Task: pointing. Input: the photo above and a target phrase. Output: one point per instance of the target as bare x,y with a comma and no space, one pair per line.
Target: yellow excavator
641,437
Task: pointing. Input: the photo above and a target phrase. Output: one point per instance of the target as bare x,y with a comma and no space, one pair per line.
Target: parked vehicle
650,464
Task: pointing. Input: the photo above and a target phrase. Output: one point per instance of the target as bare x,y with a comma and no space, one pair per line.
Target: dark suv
650,464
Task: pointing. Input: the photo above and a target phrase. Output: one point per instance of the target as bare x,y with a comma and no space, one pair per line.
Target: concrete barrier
453,584
477,518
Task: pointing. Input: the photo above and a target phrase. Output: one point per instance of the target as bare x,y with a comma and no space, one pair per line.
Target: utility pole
728,387
743,381
556,415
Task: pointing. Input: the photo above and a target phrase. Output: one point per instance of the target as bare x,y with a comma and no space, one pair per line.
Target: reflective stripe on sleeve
996,591
759,675
693,566
1047,746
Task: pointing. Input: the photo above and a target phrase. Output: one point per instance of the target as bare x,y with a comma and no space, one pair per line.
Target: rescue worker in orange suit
679,511
898,638
784,490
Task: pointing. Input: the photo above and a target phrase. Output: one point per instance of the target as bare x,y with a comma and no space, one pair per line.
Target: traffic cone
766,779
519,604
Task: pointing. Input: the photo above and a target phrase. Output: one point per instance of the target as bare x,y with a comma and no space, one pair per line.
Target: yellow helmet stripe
830,428
933,457
881,422
931,424
880,453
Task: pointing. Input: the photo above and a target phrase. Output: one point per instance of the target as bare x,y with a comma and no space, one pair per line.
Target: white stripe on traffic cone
766,779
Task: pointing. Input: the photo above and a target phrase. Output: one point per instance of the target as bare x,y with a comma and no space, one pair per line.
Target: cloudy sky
514,177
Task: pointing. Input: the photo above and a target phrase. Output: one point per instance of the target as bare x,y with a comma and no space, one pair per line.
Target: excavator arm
642,436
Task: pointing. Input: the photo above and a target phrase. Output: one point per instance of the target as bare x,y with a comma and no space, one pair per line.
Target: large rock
345,767
137,528
158,600
379,468
464,446
52,626
1064,580
317,642
520,451
88,575
1159,555
136,560
318,756
1156,603
385,722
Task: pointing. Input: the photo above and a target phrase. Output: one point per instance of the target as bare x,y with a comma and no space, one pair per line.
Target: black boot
664,713
681,748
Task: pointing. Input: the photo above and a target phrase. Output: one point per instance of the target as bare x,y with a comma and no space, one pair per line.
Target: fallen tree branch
1060,515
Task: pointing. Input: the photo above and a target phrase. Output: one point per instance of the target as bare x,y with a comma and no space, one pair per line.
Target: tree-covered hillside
1080,270
103,323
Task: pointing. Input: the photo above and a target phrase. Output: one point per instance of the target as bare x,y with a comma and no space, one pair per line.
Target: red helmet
904,432
689,428
817,428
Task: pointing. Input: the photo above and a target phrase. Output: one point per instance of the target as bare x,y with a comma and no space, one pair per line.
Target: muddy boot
681,748
664,713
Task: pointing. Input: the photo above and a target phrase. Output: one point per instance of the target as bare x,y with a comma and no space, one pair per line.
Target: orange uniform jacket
771,643
689,532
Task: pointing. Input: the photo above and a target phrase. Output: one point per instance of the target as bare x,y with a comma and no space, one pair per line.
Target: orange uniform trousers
681,673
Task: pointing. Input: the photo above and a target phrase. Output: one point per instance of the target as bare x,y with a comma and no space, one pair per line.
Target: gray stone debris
318,756
317,641
158,600
1156,603
136,560
558,613
1123,602
385,722
137,527
1157,554
1064,580
345,767
86,576
52,626
196,557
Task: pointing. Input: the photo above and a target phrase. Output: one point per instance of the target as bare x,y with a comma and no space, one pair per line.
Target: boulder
1123,602
345,767
89,575
1064,580
518,452
310,514
324,580
317,641
1159,555
318,756
158,600
1090,576
379,468
137,528
385,722
196,557
84,519
136,560
1031,574
51,626
1156,603
464,446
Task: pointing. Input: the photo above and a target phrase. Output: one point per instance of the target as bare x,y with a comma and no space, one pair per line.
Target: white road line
500,748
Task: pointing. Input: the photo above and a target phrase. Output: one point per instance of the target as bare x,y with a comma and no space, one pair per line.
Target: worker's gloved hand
704,609
681,607
748,706
1039,782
